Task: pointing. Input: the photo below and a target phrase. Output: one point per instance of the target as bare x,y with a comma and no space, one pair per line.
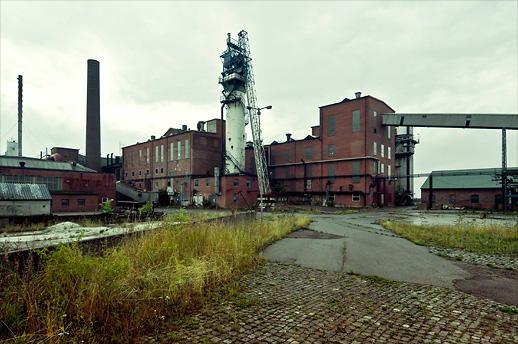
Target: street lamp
261,143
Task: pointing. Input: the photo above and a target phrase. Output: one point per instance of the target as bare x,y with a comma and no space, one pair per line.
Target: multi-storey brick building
188,164
347,161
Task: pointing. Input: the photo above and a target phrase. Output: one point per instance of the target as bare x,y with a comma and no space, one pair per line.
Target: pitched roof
41,164
24,192
485,178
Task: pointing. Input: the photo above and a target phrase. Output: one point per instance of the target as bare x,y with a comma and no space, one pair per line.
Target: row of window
53,183
331,152
65,202
174,153
157,172
236,182
474,198
355,124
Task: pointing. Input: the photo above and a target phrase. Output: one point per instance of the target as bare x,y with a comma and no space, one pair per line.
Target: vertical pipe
93,117
430,191
504,170
20,92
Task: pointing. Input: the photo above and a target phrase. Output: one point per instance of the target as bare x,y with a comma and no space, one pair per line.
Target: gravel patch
492,260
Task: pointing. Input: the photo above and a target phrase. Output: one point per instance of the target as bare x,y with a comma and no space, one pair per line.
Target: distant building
473,189
187,164
72,186
347,161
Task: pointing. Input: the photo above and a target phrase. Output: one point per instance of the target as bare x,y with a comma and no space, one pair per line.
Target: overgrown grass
467,236
134,288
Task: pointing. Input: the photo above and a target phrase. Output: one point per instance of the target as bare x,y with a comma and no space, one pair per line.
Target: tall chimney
93,117
20,93
358,95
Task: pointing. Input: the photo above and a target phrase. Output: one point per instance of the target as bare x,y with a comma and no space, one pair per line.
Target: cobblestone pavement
284,303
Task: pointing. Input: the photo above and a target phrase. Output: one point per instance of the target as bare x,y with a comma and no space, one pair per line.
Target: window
139,173
331,173
248,183
179,150
453,198
186,149
161,170
161,153
356,121
147,155
132,158
375,148
357,197
156,153
474,198
65,202
140,156
389,170
81,202
330,151
171,150
309,153
236,198
382,168
389,128
286,156
207,182
196,183
287,176
156,185
331,125
389,152
375,120
133,173
356,171
156,170
382,150
309,174
236,182
147,172
375,168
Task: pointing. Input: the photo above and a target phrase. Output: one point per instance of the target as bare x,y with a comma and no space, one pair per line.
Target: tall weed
135,287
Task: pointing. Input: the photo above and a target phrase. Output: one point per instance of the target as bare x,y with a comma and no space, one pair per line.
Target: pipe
20,111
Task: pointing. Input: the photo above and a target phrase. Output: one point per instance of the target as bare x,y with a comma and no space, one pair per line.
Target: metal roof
452,120
465,179
41,164
24,192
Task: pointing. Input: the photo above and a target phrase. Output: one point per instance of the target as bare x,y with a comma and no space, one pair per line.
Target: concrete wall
24,208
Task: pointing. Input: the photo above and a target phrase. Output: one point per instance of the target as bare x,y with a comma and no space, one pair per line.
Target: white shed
24,199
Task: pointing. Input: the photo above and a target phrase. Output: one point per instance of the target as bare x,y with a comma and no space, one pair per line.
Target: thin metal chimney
20,111
288,137
93,117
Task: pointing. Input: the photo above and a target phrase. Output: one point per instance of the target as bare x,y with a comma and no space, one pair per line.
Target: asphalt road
354,243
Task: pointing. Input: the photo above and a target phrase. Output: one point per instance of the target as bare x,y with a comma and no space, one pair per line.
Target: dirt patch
497,284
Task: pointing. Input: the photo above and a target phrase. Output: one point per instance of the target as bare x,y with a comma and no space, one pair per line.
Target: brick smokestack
93,117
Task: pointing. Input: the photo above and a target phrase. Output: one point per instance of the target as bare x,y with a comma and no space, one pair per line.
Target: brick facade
349,160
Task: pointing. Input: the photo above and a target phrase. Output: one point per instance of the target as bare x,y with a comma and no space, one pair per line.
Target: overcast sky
160,62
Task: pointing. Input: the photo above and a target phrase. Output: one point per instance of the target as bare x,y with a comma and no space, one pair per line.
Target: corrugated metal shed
33,163
24,192
465,179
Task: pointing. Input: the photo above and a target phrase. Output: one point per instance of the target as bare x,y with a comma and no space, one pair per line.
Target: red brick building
347,161
188,165
72,186
472,189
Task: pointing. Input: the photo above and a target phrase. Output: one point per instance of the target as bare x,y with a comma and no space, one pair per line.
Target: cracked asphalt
349,281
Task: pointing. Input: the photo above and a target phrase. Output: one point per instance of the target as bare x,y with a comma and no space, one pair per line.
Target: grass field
501,239
132,289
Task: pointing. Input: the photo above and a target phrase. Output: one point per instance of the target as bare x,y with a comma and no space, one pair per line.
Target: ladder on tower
262,169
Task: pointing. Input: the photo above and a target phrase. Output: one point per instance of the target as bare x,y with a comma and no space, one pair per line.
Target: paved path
369,250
